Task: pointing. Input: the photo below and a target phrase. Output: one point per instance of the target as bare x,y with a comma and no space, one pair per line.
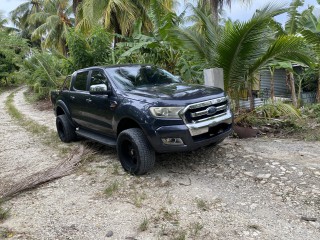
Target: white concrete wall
213,77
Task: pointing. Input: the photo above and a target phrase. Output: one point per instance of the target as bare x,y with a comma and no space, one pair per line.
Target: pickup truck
141,110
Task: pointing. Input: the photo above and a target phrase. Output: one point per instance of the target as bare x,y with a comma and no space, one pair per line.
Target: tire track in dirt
21,153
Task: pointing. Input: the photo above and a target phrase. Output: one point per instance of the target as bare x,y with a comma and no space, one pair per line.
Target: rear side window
81,81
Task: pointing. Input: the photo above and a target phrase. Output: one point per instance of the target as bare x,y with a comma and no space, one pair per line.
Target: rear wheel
134,151
65,130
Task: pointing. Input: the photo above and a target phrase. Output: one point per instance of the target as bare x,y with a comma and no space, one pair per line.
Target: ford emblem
211,110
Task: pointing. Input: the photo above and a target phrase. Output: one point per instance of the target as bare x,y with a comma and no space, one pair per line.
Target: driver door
99,107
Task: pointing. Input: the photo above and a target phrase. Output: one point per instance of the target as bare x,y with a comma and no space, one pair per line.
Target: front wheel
134,151
65,130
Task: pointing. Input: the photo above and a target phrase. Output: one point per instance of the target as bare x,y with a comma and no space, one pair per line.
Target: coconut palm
3,21
293,26
217,5
154,47
56,19
311,32
117,16
21,14
242,49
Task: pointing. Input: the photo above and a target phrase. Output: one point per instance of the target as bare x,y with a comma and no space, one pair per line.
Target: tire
65,130
135,152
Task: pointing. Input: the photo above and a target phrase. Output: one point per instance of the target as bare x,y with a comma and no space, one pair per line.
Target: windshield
131,77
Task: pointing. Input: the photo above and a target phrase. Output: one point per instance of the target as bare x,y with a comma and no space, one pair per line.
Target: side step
97,137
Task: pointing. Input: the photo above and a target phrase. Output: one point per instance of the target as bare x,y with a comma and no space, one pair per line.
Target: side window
97,77
81,81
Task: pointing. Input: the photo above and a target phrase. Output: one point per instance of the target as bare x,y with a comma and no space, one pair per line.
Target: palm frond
292,23
287,48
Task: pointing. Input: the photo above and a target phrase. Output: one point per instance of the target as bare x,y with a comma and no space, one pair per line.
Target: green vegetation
53,38
4,213
144,225
202,204
111,189
195,229
6,233
49,137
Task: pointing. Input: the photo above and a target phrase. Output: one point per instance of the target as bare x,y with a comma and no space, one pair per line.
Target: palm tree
242,49
3,21
55,19
154,47
20,17
292,27
311,32
217,5
117,16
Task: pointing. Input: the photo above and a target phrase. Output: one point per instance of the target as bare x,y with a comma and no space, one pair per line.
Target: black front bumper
217,134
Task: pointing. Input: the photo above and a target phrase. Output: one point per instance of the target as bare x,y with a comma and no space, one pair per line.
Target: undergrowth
281,119
4,213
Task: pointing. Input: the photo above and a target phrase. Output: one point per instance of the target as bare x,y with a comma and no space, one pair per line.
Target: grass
202,204
111,189
4,213
138,199
144,225
115,169
195,229
180,235
48,136
6,233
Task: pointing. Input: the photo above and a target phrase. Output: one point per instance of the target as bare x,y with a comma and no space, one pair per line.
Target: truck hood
175,91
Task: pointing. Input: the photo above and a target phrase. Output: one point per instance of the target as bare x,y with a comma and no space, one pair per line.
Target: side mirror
99,89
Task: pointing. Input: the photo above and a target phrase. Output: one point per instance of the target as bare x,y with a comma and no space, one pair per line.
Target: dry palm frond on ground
64,168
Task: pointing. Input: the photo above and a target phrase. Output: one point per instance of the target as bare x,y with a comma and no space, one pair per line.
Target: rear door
77,98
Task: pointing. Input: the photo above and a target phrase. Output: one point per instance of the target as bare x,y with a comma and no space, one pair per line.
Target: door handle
72,97
88,100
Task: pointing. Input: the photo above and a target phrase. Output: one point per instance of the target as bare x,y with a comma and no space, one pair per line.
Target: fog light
172,141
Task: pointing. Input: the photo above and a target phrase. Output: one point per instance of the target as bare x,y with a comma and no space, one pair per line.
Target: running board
97,137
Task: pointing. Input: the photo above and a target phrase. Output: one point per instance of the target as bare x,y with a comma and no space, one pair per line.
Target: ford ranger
141,110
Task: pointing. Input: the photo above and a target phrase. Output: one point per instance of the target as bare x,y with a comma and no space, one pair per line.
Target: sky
238,11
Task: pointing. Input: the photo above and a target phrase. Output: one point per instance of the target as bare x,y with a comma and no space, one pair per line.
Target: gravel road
241,189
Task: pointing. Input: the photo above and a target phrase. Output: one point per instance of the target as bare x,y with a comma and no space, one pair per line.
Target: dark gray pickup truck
140,110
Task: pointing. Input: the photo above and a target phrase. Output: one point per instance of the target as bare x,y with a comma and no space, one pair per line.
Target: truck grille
199,112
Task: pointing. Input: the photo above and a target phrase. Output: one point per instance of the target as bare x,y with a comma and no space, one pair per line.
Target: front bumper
194,136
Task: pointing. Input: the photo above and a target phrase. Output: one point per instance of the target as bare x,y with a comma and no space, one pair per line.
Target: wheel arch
126,123
62,109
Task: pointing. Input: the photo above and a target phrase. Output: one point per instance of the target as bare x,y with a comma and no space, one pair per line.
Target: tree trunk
318,89
75,4
272,84
117,30
214,4
292,87
251,98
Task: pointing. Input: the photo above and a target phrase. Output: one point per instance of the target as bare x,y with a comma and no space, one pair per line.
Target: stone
109,234
283,169
253,206
264,176
250,174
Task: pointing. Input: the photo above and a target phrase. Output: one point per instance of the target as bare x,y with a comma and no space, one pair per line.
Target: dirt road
242,189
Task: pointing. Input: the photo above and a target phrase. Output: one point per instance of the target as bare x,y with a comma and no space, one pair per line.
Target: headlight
166,112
